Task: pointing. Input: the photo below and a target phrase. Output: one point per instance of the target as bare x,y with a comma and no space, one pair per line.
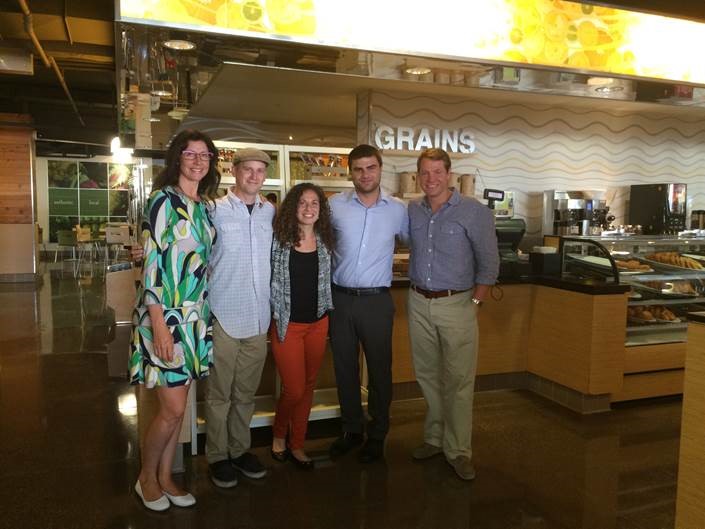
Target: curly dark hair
169,176
286,227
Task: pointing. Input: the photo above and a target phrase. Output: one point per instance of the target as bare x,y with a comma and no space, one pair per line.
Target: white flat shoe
161,504
187,500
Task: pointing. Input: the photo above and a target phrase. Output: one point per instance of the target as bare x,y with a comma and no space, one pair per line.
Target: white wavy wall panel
276,133
529,149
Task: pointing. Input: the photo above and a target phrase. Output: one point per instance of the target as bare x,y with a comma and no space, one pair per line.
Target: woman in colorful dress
301,298
172,333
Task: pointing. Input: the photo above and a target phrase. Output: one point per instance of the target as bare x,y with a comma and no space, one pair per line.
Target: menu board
86,193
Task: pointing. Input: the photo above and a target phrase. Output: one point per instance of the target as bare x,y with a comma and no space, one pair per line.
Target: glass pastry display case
666,275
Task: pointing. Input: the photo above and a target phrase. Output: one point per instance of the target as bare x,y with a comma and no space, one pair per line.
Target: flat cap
251,155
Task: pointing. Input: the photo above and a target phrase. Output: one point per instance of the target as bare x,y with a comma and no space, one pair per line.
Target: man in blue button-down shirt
453,263
366,221
238,291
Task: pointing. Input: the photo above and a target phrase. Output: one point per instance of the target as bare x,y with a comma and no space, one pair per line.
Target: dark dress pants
366,321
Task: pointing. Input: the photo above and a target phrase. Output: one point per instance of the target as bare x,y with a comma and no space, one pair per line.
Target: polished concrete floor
69,458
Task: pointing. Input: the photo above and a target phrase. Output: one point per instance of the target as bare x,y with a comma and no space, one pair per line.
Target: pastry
631,264
675,259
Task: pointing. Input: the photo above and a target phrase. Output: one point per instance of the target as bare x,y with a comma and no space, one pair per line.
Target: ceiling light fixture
120,154
161,88
179,45
609,89
418,70
178,113
598,81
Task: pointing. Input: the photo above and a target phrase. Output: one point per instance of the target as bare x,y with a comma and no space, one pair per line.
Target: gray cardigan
281,284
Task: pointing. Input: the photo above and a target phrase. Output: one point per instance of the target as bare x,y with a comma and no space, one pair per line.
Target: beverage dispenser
658,208
575,212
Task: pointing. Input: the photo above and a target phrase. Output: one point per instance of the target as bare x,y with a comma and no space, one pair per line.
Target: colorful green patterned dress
177,236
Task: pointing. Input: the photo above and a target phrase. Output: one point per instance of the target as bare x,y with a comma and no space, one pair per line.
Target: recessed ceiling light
161,93
178,113
418,70
180,45
609,89
596,81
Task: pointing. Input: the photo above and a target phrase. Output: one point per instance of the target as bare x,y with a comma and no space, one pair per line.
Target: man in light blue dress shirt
367,222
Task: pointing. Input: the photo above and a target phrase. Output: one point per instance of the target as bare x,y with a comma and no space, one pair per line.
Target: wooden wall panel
642,358
690,500
15,170
504,330
402,364
577,340
647,385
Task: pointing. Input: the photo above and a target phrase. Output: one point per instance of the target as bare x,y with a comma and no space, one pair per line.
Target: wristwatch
476,301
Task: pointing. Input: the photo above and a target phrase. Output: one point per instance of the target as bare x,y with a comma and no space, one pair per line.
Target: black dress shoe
279,456
306,464
346,442
372,450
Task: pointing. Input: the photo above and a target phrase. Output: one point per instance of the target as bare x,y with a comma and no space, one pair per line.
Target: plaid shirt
281,284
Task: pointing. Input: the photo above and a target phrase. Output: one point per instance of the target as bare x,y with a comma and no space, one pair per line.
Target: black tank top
303,273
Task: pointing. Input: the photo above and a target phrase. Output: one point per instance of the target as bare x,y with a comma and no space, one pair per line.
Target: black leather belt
371,291
435,294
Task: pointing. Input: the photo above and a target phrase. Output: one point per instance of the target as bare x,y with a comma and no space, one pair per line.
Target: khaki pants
443,336
230,393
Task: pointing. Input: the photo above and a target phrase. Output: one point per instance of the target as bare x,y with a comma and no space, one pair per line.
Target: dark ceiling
79,34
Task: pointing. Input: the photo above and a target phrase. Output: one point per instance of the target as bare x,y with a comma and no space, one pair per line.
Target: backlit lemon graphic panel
554,33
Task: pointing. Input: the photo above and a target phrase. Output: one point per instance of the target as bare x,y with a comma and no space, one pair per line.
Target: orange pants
298,360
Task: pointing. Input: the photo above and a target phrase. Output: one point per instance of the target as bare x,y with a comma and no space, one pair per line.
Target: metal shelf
665,301
656,333
657,327
325,406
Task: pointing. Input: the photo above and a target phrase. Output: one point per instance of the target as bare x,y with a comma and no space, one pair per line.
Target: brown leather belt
435,294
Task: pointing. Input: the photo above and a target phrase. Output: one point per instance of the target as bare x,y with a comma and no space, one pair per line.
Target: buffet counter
562,338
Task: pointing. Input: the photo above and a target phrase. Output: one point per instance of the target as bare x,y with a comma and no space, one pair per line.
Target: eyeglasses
192,155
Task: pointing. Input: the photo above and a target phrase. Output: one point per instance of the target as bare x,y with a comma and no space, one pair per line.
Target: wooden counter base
690,499
570,345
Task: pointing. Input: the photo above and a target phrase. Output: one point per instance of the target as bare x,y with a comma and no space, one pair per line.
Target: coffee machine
575,212
658,208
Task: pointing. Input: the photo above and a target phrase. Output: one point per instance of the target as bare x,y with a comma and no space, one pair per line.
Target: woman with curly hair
300,297
172,332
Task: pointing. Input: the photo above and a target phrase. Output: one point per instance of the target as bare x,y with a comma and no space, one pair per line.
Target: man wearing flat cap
238,292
